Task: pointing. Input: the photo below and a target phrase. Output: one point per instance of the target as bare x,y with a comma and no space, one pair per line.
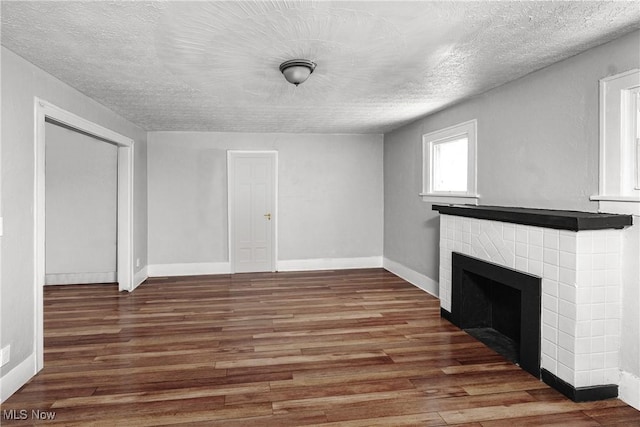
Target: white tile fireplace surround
581,284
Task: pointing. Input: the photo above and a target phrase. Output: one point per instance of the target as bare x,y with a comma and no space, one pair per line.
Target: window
449,165
619,184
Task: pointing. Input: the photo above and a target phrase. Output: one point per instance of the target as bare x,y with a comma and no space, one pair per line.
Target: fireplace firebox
498,306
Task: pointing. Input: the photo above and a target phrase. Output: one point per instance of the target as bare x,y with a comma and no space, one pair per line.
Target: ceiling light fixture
296,71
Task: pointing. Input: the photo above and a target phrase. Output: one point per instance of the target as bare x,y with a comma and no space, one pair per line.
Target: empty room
336,213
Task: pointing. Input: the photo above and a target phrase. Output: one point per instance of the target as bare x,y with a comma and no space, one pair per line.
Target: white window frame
636,108
619,177
429,140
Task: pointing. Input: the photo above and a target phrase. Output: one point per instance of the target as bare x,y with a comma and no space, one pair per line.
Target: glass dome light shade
296,71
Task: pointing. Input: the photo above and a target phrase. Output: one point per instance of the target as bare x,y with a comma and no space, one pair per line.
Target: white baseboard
80,278
190,269
140,277
629,389
193,269
17,377
329,263
417,279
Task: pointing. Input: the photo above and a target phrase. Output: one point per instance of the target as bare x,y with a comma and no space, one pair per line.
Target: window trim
636,132
429,140
619,174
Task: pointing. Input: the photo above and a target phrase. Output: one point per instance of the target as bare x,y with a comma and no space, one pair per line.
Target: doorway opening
47,112
81,208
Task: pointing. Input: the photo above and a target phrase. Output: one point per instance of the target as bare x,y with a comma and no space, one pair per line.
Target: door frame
46,111
231,154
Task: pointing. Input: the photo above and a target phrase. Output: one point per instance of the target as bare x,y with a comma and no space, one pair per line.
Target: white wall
537,147
21,82
330,195
81,207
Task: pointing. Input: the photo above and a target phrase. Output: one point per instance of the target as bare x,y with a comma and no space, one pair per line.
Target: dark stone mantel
547,218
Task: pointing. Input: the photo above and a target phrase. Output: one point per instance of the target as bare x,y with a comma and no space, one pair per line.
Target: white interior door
252,216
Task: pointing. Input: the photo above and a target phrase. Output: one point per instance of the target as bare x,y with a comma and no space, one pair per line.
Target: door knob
268,216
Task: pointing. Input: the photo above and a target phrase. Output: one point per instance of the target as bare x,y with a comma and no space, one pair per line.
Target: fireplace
574,256
500,307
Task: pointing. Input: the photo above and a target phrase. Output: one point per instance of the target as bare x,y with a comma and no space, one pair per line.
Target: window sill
451,199
626,205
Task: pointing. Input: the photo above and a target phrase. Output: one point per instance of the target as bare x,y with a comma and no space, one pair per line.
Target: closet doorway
80,207
47,112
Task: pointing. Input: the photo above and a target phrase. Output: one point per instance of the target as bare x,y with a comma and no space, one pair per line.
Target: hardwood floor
348,348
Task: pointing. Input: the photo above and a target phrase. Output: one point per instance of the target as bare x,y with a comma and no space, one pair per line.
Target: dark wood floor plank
572,419
327,348
621,415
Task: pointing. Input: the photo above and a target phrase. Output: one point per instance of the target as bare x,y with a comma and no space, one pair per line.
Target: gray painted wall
537,147
21,82
81,203
330,195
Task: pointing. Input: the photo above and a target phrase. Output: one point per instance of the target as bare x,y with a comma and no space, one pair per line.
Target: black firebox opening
492,314
498,306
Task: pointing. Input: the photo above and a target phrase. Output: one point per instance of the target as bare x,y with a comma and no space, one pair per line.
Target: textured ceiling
213,66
